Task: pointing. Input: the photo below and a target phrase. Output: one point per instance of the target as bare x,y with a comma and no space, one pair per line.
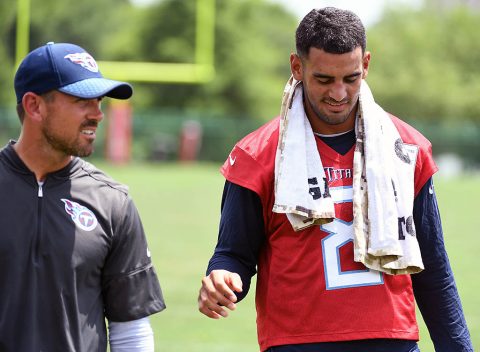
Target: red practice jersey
309,289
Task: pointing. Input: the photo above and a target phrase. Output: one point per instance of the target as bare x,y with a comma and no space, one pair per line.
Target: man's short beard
66,148
326,118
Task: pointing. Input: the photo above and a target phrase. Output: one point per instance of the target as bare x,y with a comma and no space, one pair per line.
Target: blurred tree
88,23
425,63
7,52
253,40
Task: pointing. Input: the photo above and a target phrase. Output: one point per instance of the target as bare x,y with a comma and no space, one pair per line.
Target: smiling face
70,123
331,87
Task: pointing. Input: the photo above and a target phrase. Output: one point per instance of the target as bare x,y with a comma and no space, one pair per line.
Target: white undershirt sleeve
131,336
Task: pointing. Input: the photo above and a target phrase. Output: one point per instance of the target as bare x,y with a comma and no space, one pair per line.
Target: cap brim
98,87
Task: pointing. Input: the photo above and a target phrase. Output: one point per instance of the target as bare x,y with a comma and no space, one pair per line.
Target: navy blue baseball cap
69,69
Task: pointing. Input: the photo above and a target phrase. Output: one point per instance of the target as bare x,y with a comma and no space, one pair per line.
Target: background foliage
424,66
425,63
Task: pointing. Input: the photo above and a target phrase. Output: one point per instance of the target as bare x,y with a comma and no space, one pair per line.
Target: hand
217,291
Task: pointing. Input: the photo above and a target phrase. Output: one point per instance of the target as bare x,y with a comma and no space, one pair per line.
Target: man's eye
324,80
351,79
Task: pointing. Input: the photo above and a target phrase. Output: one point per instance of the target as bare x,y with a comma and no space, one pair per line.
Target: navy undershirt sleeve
241,234
434,288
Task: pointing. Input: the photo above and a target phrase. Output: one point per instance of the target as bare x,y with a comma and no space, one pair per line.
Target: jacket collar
13,161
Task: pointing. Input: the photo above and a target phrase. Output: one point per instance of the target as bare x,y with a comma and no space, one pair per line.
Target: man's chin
335,119
83,153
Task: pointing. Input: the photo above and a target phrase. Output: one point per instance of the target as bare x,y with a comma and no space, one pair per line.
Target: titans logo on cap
81,216
83,59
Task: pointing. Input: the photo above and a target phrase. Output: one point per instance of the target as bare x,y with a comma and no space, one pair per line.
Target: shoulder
425,165
251,162
409,134
92,176
94,189
260,141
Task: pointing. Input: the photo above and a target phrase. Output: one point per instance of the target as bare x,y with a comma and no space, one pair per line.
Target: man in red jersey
318,289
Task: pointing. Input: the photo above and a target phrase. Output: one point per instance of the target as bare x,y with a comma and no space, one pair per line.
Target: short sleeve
425,165
129,282
251,163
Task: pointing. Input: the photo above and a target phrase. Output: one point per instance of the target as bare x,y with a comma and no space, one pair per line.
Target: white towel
383,175
300,186
383,193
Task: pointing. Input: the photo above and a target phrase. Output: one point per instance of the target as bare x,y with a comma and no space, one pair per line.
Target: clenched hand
218,291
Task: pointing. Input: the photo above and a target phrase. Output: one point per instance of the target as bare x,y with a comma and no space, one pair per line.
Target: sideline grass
180,206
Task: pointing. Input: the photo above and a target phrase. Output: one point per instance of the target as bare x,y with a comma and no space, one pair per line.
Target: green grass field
180,206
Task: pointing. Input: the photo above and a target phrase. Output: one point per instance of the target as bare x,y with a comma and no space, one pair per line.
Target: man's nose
338,91
96,110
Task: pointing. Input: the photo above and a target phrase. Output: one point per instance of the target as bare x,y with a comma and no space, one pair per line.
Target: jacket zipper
40,189
39,222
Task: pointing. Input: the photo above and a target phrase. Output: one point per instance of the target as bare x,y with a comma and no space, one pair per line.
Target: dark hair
333,30
48,96
20,112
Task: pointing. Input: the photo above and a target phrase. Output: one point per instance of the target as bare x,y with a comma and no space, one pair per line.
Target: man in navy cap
73,252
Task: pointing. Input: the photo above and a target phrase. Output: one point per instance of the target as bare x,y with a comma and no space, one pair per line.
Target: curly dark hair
333,30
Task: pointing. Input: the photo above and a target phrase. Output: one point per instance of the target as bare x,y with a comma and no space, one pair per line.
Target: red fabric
295,301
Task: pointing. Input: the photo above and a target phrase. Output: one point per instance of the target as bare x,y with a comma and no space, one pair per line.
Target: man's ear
366,64
296,66
34,106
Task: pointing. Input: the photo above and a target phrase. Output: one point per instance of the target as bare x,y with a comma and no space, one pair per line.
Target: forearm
241,234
